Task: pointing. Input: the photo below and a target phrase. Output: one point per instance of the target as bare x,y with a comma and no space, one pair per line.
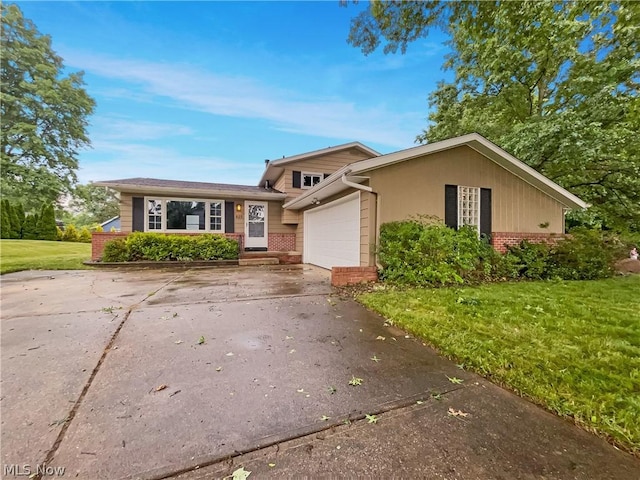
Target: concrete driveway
191,373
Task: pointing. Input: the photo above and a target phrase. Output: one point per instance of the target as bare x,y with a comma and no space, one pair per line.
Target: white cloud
184,86
116,128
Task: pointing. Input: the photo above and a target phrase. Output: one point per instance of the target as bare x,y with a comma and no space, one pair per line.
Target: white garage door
332,233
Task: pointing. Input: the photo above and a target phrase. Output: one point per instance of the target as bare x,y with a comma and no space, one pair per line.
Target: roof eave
177,191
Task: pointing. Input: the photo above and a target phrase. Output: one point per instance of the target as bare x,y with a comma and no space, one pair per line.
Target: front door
255,225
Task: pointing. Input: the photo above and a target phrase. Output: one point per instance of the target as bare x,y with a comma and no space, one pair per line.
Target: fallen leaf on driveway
375,358
455,380
380,337
288,338
230,354
178,342
218,369
271,465
239,474
201,340
355,381
293,350
160,387
324,418
457,413
371,418
300,390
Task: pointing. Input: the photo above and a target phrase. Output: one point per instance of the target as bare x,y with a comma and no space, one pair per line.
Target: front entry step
258,261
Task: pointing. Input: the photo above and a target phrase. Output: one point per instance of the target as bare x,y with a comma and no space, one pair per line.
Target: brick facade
502,240
282,242
341,276
98,239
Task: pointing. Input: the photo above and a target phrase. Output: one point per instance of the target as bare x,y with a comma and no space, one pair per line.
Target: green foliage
158,247
84,235
29,229
554,83
44,114
46,224
95,204
115,251
59,234
70,234
584,255
5,231
423,252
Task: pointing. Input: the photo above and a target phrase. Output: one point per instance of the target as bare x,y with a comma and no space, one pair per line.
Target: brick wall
98,239
282,242
341,276
501,240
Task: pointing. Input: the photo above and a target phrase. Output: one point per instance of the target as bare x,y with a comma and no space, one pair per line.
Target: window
215,216
170,215
154,214
469,206
311,179
185,215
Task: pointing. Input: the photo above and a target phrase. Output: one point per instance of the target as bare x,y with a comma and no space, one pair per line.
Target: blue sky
208,90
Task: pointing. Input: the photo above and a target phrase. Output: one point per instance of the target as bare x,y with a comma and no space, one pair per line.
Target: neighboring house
329,204
112,223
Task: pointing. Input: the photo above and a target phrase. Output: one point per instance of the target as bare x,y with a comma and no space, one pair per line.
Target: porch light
238,207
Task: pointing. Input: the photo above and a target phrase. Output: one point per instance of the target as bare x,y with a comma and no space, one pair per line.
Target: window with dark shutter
451,206
297,179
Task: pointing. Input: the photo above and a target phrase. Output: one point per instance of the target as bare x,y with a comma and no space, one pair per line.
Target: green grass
17,255
573,347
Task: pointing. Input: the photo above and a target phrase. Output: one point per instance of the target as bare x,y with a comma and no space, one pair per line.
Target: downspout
377,219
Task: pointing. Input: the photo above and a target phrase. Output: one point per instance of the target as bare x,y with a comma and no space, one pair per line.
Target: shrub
70,234
158,247
29,231
84,235
5,228
426,252
115,251
59,234
584,255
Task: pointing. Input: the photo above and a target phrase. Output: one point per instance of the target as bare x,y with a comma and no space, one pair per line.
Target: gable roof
333,184
151,186
275,168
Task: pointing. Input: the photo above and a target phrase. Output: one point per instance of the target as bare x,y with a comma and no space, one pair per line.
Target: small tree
5,231
16,223
19,210
29,229
46,226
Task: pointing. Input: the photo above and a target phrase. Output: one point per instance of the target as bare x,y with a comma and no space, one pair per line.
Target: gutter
357,186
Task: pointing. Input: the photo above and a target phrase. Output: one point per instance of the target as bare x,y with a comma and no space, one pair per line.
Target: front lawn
16,255
573,347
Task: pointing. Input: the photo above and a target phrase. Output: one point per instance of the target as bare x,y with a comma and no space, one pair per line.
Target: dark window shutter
485,212
451,206
297,179
137,215
326,175
229,217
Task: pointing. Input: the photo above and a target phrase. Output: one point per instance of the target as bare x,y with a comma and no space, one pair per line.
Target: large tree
44,115
553,82
92,204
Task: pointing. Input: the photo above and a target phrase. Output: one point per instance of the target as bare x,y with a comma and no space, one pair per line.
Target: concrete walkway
191,374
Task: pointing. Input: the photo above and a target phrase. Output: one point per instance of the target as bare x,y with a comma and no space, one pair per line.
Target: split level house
326,207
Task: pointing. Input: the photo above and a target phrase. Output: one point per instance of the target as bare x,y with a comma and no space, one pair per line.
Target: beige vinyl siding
367,228
126,212
417,187
321,164
275,219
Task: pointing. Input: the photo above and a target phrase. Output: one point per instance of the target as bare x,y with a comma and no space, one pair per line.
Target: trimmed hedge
151,246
